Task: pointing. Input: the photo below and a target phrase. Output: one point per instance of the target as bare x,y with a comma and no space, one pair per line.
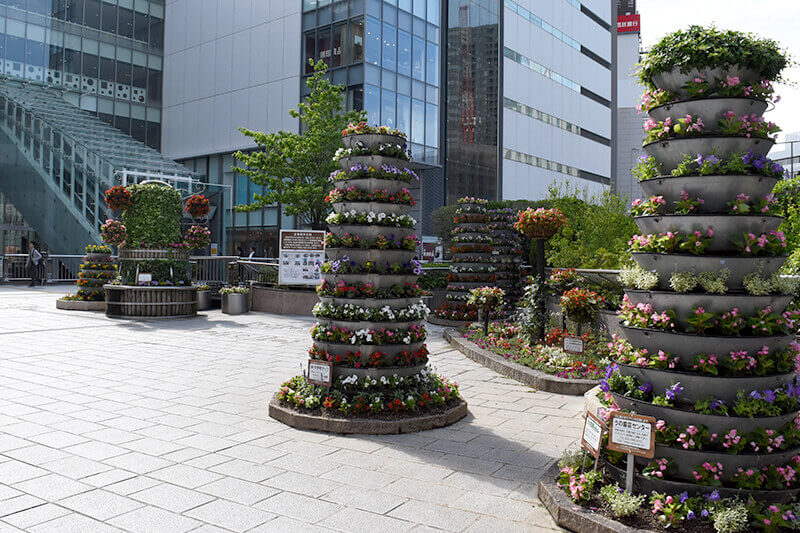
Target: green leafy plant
234,290
154,216
621,503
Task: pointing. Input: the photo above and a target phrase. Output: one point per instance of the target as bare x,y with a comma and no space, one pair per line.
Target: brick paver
109,425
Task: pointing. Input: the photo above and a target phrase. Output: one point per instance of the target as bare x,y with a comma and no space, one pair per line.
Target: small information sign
573,345
142,278
593,429
301,251
632,434
320,372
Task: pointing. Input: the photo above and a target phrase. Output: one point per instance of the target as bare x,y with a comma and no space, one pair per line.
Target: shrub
620,502
153,219
234,290
730,518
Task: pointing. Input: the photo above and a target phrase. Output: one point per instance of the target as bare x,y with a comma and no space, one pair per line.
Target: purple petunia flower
683,497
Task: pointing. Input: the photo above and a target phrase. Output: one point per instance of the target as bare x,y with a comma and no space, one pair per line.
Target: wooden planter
126,301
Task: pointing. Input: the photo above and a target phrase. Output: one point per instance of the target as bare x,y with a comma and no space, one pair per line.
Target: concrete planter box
283,302
235,304
670,152
716,191
709,110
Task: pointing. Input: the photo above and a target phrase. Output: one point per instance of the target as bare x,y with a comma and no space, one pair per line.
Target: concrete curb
436,321
296,419
572,516
534,378
80,305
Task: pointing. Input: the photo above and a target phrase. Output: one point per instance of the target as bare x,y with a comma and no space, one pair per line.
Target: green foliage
163,270
700,48
154,217
621,503
597,231
787,196
295,167
433,279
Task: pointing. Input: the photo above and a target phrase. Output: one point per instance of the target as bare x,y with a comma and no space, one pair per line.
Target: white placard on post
144,278
301,251
632,433
573,345
320,372
592,434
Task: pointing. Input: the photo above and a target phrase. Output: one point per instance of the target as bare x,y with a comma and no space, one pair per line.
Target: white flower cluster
394,381
416,311
381,219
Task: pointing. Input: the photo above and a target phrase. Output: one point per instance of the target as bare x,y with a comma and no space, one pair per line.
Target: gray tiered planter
670,152
371,140
674,80
98,258
355,325
378,372
235,304
715,423
709,110
374,161
371,184
391,350
372,303
667,264
727,228
376,256
686,345
371,232
688,460
379,281
375,207
699,386
716,191
684,303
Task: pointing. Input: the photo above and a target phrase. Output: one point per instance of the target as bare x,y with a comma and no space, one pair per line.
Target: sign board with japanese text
592,435
629,23
301,251
633,434
320,372
573,345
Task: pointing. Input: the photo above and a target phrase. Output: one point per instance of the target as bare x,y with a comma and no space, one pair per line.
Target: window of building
418,58
108,19
372,104
156,32
389,46
388,99
356,36
141,26
310,51
337,58
324,46
417,122
125,22
91,16
404,52
403,113
373,41
433,64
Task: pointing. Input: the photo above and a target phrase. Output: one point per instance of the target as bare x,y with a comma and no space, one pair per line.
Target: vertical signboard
300,253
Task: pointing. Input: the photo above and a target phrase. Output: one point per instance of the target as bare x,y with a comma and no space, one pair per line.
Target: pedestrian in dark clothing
32,264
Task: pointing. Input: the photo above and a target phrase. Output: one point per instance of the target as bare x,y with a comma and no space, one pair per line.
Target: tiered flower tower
706,357
97,269
506,253
471,261
154,270
370,316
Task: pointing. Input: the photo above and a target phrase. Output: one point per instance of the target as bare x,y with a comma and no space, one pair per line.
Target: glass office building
107,55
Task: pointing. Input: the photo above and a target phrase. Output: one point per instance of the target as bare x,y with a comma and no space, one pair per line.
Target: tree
295,167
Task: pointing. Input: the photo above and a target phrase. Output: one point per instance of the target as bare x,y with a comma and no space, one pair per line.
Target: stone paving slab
109,425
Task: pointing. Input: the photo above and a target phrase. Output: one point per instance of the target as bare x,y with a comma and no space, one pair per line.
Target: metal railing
212,269
52,268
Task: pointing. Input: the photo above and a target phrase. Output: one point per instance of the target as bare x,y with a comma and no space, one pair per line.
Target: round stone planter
355,325
698,386
670,152
235,303
727,228
80,305
686,345
372,303
688,460
371,184
371,140
378,281
374,207
203,300
374,161
143,254
716,191
391,350
709,110
412,423
376,256
645,485
683,303
127,301
715,424
98,258
667,264
674,80
377,373
371,232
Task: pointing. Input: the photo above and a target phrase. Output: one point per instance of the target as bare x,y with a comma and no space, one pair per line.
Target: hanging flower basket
118,198
197,206
540,223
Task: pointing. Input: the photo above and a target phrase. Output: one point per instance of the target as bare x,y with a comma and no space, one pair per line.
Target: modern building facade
787,153
629,133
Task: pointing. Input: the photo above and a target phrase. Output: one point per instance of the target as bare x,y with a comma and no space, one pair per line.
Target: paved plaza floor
162,426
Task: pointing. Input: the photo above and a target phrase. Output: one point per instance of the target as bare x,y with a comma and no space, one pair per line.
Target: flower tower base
97,269
368,368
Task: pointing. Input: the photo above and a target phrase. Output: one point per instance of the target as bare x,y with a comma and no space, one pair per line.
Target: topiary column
370,315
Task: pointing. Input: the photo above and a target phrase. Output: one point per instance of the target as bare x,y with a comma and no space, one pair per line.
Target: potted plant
235,300
203,297
540,223
487,300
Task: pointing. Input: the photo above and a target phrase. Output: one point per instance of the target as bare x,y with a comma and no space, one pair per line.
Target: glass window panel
374,7
389,46
389,14
125,22
404,21
372,104
418,58
308,5
108,21
419,8
141,25
90,64
123,73
405,4
388,99
417,121
107,69
38,6
356,36
388,80
372,75
432,125
404,52
324,43
122,123
403,113
157,32
310,47
338,38
35,53
154,135
75,11
91,14
433,64
433,12
153,86
373,41
340,9
404,85
72,60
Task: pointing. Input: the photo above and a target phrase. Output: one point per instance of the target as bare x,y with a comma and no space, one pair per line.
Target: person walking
32,264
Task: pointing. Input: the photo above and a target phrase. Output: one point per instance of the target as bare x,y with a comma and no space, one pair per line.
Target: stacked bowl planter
506,254
97,269
471,261
370,316
717,192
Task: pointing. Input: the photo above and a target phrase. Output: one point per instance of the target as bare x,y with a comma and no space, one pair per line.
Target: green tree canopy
293,167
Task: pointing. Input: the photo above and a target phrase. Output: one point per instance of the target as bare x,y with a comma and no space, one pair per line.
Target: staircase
56,162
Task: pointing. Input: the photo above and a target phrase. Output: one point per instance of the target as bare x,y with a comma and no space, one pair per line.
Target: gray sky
775,19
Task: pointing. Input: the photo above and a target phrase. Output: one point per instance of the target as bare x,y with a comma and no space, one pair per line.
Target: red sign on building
628,23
